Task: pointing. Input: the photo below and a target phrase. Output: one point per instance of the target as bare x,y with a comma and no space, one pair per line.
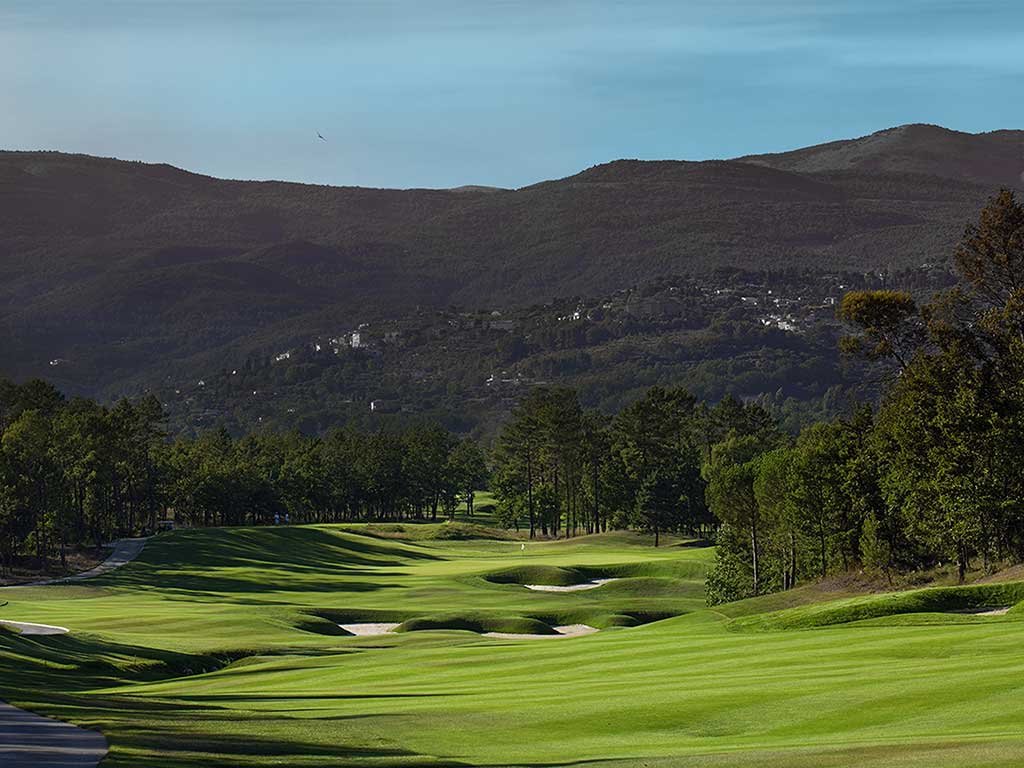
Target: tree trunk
558,507
529,495
821,538
754,556
792,561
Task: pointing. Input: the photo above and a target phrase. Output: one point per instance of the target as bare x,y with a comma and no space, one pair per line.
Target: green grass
894,608
221,648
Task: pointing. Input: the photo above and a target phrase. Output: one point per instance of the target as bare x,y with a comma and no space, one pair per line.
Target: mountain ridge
991,157
127,269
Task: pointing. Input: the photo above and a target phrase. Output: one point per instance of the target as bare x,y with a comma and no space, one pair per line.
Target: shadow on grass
195,587
169,746
246,560
235,697
76,662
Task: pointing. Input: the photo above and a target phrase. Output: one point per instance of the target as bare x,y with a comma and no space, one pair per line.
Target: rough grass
692,569
443,531
941,600
551,575
78,559
220,648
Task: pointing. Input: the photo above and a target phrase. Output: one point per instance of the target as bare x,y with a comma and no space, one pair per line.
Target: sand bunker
983,611
382,628
593,584
567,630
369,630
27,628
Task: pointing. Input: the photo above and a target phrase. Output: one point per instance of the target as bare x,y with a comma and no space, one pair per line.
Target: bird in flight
320,137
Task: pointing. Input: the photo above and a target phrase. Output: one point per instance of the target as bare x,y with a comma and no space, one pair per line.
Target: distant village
404,364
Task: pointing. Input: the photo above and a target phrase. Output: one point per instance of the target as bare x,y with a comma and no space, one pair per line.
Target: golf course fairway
223,648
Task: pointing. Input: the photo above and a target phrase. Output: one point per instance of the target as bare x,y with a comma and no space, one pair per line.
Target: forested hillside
929,476
118,275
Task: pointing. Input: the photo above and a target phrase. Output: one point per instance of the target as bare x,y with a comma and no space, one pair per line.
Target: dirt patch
121,552
28,569
1013,573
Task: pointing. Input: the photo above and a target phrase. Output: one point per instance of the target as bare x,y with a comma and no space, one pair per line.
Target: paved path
32,741
124,552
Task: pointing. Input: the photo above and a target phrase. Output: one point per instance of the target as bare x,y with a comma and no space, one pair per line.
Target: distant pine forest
927,474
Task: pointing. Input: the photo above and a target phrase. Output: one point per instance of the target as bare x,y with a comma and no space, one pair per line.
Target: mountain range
115,272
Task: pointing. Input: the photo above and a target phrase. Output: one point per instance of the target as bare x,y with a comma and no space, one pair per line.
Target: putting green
221,648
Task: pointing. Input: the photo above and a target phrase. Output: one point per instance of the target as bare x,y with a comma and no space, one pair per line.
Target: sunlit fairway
222,648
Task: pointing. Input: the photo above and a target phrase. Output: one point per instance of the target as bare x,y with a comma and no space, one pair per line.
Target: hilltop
994,159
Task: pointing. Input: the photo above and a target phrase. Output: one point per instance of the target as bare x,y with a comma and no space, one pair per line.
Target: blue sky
441,93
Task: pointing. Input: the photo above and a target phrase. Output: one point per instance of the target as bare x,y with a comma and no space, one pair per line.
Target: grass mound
687,570
594,617
649,617
649,586
646,574
319,626
549,575
466,531
937,600
446,531
477,623
355,616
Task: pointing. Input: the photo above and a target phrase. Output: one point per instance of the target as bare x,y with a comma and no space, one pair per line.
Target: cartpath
28,740
31,741
125,550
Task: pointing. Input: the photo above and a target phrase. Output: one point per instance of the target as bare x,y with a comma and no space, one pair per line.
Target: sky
441,93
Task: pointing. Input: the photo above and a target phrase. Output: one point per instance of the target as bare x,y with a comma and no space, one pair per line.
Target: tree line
74,471
929,475
932,475
560,470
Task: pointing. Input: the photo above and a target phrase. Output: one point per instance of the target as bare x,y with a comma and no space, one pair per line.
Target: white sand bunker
593,584
27,628
1002,611
370,630
567,630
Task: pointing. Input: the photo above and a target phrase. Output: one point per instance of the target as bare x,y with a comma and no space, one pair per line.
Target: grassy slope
719,687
